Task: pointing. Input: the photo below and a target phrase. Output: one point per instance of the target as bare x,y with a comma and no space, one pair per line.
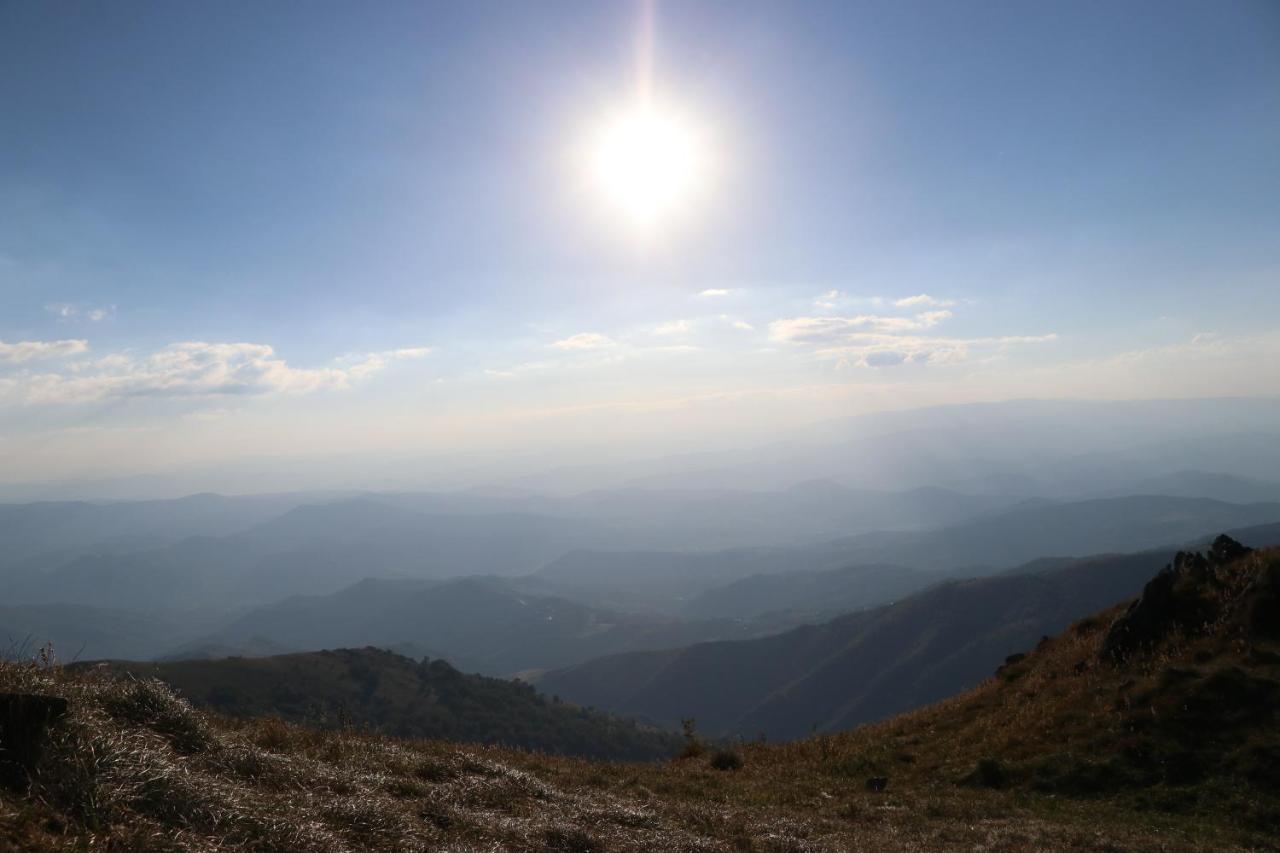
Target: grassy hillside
385,692
1162,738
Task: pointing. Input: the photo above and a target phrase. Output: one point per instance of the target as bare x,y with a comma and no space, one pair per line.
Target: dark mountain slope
858,667
866,665
829,592
371,688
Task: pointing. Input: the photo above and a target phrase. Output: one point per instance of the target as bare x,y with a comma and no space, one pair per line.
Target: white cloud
828,299
194,369
673,327
30,350
712,292
923,300
741,325
359,367
584,341
875,340
832,330
68,311
872,350
1203,338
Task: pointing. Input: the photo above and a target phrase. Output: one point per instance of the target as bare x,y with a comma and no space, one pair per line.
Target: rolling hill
384,692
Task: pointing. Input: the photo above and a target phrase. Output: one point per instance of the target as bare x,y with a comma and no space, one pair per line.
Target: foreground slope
1149,727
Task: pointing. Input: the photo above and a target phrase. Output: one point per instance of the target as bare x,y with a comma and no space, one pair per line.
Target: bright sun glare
650,164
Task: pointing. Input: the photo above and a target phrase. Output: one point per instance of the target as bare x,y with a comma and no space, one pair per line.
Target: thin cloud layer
831,330
69,311
193,369
584,341
923,300
21,351
878,340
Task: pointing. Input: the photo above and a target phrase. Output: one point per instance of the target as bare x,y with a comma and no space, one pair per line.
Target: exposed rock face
24,724
1172,600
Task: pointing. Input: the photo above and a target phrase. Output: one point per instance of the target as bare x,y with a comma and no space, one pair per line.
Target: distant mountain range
670,580
866,665
209,575
479,624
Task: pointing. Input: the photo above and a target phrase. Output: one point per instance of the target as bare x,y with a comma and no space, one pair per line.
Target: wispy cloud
828,299
877,340
822,331
872,350
712,292
360,366
672,327
741,325
193,369
69,311
584,341
31,350
923,300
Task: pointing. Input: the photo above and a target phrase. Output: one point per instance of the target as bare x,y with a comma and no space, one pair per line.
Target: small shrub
988,773
726,759
693,746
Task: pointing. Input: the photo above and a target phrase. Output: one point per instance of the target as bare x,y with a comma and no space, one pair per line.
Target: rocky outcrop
1175,599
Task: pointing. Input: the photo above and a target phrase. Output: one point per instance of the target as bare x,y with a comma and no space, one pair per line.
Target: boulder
25,719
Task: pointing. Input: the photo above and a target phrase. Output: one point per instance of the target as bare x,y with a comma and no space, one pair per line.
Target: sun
649,164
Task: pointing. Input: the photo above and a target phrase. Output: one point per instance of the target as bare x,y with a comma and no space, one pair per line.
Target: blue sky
219,221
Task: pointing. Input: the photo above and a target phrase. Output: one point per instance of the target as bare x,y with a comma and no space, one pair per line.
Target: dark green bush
726,759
